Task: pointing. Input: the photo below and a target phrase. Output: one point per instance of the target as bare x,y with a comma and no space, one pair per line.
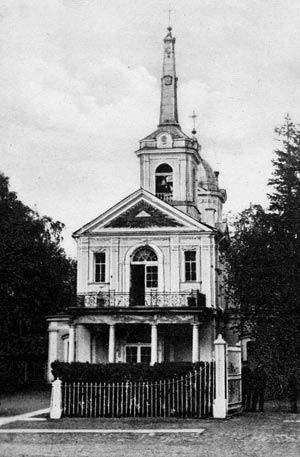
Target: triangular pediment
138,217
141,211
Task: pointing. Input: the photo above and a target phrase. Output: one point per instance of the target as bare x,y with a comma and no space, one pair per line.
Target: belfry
149,284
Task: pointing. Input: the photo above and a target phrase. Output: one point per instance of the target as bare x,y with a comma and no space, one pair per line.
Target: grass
23,402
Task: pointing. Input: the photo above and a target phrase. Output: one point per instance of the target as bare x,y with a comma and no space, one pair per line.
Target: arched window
164,182
144,254
143,275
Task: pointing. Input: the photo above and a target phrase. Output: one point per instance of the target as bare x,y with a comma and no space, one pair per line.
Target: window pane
100,257
151,276
145,255
190,265
100,267
131,354
146,355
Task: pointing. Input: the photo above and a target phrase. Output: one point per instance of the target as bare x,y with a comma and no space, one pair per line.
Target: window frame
138,347
149,264
190,266
102,268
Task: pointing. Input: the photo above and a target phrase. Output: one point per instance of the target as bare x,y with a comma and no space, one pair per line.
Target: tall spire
168,103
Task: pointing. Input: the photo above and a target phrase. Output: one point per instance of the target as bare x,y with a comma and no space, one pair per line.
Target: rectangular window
190,265
151,276
146,355
131,354
100,267
138,353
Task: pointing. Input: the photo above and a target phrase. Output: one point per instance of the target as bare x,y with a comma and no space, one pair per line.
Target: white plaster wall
170,250
182,164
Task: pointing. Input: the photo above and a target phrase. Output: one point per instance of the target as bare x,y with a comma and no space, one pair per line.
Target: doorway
143,275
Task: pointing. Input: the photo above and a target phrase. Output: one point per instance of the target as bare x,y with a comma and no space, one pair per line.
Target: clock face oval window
168,51
168,80
164,139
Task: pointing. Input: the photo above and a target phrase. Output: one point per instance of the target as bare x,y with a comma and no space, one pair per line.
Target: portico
122,339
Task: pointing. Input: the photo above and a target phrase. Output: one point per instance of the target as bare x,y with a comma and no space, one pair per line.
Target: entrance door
137,289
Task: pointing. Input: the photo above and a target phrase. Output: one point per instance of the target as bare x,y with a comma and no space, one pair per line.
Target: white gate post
56,400
220,400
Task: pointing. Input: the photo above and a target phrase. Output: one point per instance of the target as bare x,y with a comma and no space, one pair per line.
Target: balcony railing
166,197
113,299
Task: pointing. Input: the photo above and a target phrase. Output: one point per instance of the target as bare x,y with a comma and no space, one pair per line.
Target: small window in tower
100,267
190,265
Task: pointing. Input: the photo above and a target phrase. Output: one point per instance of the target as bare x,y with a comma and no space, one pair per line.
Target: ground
273,433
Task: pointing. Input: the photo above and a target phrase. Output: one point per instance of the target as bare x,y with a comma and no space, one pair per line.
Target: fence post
220,400
56,400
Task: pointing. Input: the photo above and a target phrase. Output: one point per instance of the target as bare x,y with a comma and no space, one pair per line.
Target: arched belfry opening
164,182
143,274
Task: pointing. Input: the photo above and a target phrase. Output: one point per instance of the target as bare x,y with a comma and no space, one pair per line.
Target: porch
137,342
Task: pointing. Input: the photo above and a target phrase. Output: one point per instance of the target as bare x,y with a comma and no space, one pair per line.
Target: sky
80,86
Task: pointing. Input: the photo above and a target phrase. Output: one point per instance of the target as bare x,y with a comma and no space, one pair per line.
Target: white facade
149,278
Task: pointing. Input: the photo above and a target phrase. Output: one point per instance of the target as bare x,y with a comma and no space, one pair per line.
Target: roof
173,130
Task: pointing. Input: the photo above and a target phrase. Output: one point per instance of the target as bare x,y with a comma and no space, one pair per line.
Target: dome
206,177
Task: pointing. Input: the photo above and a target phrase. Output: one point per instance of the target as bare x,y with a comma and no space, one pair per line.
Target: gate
186,396
234,378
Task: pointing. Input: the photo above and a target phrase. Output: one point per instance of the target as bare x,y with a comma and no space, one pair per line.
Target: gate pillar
56,400
220,400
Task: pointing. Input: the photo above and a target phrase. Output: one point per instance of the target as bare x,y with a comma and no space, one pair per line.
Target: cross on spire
170,10
194,116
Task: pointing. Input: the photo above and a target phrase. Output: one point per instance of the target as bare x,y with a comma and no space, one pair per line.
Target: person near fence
259,382
246,385
293,391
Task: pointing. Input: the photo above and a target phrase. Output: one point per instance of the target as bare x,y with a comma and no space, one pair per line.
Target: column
153,344
71,343
83,343
111,344
195,347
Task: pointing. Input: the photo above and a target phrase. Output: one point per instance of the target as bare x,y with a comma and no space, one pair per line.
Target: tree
263,275
36,277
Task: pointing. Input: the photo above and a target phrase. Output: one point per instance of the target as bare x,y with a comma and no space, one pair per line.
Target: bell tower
169,159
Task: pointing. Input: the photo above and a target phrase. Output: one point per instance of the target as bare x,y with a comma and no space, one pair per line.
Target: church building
149,284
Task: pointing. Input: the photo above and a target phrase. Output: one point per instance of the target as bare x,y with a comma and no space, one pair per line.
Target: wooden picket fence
187,396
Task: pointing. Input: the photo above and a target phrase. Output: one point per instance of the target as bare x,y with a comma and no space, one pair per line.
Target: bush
118,372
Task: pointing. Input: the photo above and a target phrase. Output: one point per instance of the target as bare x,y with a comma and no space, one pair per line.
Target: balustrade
114,299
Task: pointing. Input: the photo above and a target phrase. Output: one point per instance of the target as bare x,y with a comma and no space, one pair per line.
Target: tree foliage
263,276
36,276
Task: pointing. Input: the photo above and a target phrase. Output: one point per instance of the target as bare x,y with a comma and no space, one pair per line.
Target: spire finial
170,12
168,105
194,116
